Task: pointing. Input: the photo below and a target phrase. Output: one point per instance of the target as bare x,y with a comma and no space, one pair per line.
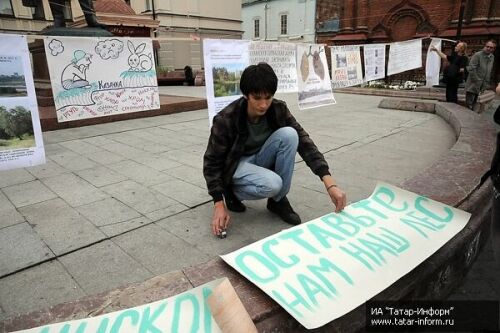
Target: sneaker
284,210
232,202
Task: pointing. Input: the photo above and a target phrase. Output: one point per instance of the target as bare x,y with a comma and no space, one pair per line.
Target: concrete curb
454,179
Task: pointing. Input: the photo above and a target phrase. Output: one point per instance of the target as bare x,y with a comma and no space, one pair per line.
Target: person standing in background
479,68
453,74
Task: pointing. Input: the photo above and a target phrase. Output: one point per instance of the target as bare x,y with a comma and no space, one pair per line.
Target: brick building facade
372,21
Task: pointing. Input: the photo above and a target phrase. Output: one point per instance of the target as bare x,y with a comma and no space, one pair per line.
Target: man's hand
338,197
220,219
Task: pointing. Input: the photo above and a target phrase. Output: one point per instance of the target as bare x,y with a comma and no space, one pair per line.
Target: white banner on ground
21,142
346,66
315,87
322,269
101,76
211,308
433,64
404,56
281,57
374,55
225,60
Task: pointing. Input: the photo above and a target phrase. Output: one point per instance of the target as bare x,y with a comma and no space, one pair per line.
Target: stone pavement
121,202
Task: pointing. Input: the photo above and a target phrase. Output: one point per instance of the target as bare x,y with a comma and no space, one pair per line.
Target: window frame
284,27
11,8
256,28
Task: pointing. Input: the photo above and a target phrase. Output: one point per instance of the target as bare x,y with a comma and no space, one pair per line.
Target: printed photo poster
101,76
210,308
346,66
433,64
323,269
374,55
21,142
404,56
315,87
225,60
281,57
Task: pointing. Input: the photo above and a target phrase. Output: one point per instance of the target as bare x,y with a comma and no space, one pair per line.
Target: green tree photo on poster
16,128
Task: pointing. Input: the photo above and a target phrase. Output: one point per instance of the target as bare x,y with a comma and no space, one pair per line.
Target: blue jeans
268,173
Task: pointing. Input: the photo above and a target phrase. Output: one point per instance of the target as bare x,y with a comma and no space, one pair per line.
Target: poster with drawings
374,61
101,76
315,88
21,142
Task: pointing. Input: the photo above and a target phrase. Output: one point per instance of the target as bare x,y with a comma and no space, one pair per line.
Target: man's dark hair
491,41
258,79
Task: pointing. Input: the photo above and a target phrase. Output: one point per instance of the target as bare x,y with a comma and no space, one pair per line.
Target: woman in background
453,74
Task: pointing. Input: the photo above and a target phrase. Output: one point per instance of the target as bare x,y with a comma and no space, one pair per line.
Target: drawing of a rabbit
139,62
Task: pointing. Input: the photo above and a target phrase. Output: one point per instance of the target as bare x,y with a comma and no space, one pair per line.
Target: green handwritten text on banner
183,313
326,267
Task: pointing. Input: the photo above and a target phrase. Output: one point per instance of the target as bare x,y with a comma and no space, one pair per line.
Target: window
284,30
37,12
67,10
148,5
256,28
6,8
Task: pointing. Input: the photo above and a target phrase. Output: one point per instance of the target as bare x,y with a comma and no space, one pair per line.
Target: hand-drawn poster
21,142
225,60
433,64
281,57
190,311
374,55
315,87
346,66
101,76
322,269
404,56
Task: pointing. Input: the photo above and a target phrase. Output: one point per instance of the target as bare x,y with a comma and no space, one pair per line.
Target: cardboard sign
96,77
322,269
21,141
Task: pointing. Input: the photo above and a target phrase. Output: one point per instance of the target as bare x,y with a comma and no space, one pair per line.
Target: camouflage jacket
227,139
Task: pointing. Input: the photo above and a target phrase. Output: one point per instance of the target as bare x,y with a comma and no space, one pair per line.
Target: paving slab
74,190
139,197
103,266
8,213
73,162
183,192
98,141
166,212
158,250
105,157
60,226
193,227
107,211
81,147
49,169
115,229
21,247
15,177
157,162
101,176
28,193
124,150
188,174
140,173
37,288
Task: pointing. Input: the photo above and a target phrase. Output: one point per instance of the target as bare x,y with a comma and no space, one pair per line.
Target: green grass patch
28,141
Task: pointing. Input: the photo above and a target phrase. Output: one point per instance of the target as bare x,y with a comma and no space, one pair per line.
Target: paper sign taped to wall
322,269
190,311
